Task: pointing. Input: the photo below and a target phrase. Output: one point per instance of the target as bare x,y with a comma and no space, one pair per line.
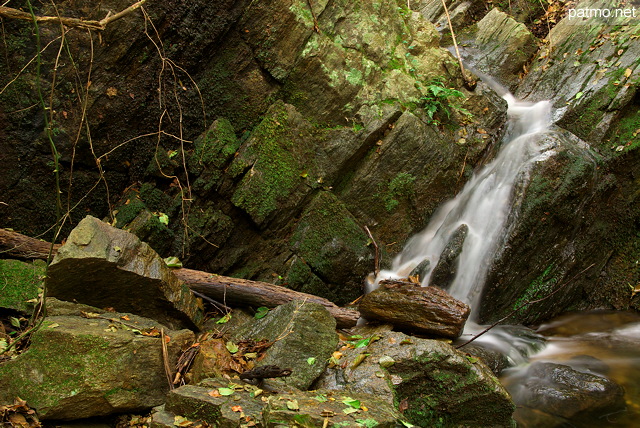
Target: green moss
215,147
539,287
20,282
401,187
275,170
128,211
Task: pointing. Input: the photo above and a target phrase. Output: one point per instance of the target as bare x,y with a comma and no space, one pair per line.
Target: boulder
244,406
303,336
102,266
20,284
562,391
425,310
87,364
431,382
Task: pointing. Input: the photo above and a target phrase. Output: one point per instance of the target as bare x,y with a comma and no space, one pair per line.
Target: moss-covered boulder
103,266
435,384
20,284
87,364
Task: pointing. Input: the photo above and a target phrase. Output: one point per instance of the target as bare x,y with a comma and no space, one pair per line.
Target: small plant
439,101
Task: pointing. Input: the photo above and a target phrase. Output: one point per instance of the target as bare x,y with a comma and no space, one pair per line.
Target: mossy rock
20,282
79,368
335,248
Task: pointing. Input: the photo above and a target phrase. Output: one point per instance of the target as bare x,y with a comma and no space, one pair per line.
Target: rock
426,310
197,403
102,266
561,391
504,46
300,331
422,270
434,383
20,283
79,367
291,408
445,271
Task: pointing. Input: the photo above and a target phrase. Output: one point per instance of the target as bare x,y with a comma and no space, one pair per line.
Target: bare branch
9,12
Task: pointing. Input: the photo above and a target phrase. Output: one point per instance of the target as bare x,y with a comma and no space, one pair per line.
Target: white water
483,205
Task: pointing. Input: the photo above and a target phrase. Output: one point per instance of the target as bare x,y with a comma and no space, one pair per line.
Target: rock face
102,266
21,283
299,330
426,310
302,126
78,368
434,383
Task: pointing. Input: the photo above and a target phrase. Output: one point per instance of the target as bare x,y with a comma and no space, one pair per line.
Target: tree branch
8,12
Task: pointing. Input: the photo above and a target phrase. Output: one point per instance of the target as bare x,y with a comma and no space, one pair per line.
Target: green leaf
15,322
579,95
471,359
3,345
352,403
362,343
261,312
163,218
225,391
386,361
172,153
173,262
225,319
349,410
293,405
407,424
232,347
369,423
321,398
311,361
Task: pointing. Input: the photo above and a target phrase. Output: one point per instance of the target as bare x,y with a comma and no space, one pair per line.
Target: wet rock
102,266
447,267
299,331
492,358
431,381
92,365
21,283
561,391
503,46
425,310
422,270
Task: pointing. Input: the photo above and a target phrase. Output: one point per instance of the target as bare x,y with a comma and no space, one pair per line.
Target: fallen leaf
627,72
215,393
232,347
225,391
125,317
112,92
293,405
311,361
359,359
236,408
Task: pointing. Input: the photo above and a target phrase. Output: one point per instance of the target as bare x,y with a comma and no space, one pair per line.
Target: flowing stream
483,206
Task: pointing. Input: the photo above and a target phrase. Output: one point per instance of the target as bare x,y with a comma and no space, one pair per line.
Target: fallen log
221,288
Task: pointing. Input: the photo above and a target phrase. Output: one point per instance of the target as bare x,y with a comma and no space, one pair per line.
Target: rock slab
20,283
102,266
427,310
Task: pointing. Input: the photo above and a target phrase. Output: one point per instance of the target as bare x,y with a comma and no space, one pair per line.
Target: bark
224,289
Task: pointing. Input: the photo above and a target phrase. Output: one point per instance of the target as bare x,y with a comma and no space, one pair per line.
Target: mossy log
224,289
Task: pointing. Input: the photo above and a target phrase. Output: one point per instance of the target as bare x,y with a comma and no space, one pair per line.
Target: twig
9,12
315,19
376,260
165,359
468,83
530,302
219,306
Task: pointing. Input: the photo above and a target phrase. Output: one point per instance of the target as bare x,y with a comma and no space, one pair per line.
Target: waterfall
483,206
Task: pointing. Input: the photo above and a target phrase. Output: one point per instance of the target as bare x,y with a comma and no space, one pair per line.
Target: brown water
611,337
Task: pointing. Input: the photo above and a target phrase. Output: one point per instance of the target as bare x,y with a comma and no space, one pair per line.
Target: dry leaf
627,72
112,92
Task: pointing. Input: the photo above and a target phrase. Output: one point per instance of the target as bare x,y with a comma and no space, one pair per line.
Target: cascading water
483,206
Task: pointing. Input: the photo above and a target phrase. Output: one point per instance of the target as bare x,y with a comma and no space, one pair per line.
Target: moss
215,147
539,287
275,170
401,187
20,282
